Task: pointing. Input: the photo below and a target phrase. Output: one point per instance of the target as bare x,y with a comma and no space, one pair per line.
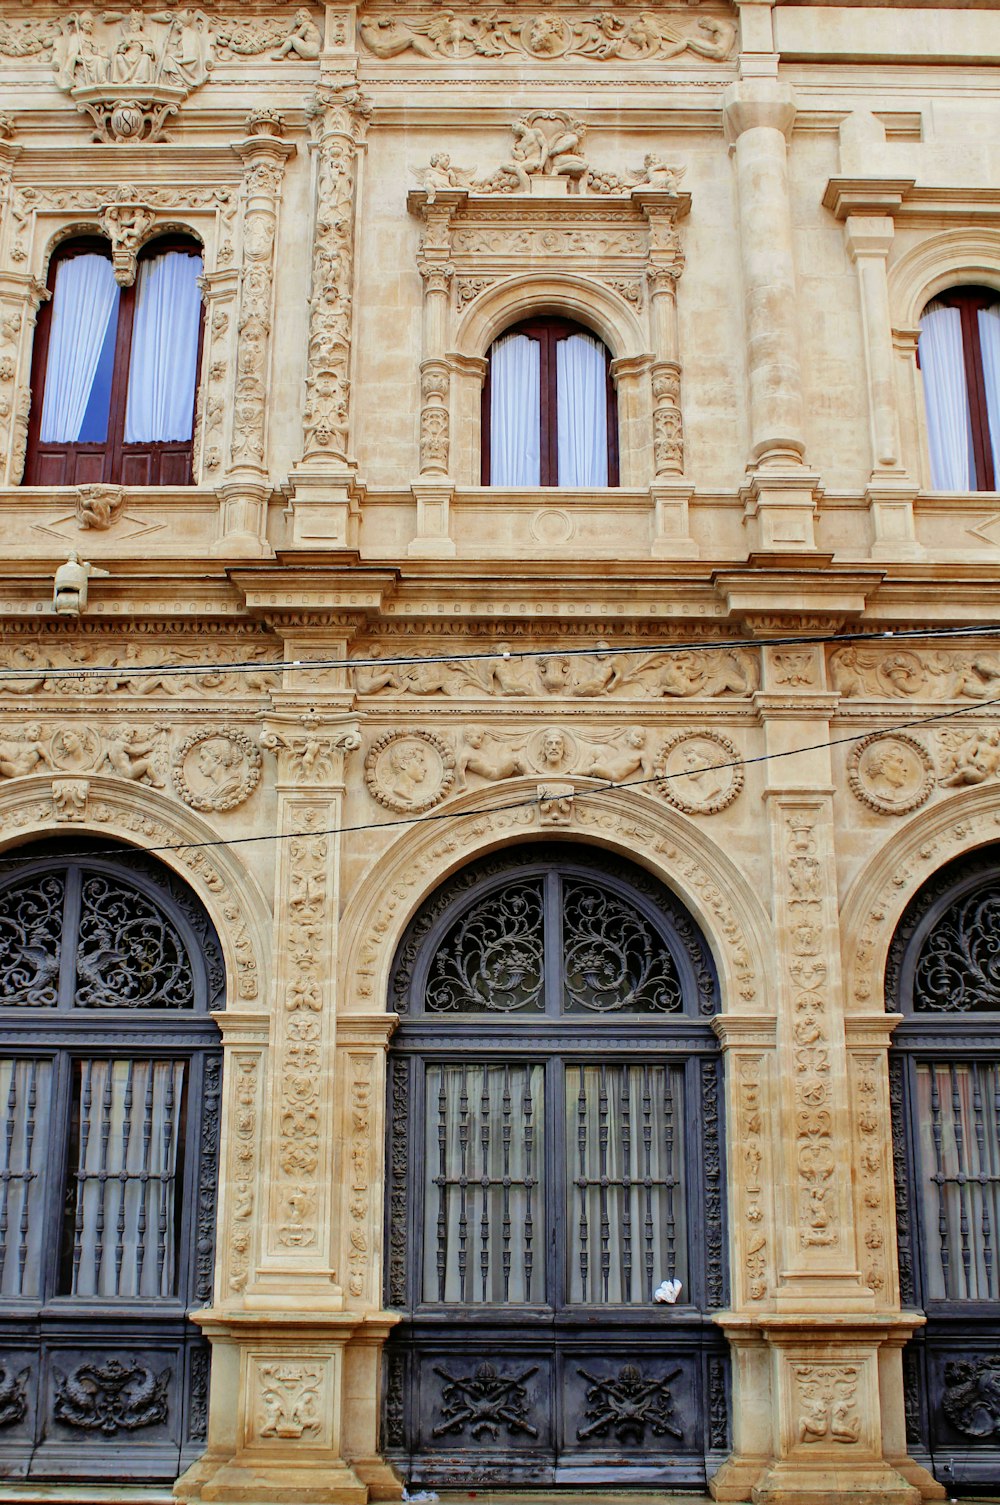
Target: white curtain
989,339
949,432
84,302
582,414
162,369
515,411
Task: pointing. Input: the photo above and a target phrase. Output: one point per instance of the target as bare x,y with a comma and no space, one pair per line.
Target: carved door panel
554,1155
110,1077
944,977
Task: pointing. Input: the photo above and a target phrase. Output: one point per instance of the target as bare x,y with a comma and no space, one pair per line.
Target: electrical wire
273,666
606,787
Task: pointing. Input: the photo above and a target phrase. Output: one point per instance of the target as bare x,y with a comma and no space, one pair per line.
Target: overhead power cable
602,787
273,666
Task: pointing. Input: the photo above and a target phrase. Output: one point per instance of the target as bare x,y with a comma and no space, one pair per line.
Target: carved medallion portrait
553,751
891,773
409,771
699,772
216,768
74,748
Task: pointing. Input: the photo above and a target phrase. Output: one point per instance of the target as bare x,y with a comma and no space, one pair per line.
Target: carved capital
311,753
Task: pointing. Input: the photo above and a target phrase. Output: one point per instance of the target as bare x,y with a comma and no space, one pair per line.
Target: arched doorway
554,1157
943,976
110,1076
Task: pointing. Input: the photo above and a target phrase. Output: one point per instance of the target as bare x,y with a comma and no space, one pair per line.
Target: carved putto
547,36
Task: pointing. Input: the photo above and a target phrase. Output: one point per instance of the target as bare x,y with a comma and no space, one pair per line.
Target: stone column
324,480
759,115
21,296
433,491
671,494
816,1339
246,486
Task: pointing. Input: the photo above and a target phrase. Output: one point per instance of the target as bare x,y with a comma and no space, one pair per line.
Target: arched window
110,1082
959,355
549,411
115,368
943,977
555,1158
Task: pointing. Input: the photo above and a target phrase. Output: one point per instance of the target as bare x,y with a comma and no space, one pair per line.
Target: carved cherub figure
22,755
303,41
441,176
615,767
471,757
132,756
656,174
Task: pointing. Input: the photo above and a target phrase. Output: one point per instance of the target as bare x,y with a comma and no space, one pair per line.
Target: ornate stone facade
336,669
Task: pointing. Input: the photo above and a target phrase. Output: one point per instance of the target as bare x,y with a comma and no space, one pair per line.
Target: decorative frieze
547,37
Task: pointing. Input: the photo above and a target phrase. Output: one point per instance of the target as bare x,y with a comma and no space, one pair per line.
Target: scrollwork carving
547,36
828,1403
111,1397
359,1256
971,1398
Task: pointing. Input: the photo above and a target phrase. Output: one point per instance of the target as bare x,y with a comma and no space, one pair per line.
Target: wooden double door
110,1079
554,1162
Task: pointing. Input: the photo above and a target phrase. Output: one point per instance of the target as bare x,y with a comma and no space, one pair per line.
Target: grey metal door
554,1157
944,977
110,1077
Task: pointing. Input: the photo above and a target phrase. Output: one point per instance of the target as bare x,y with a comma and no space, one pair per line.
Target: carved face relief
217,769
891,774
700,773
409,771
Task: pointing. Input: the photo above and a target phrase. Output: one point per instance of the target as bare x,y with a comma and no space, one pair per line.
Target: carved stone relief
547,144
869,1109
815,1155
131,71
216,768
903,674
409,771
750,1125
37,665
971,1398
891,773
288,1400
339,120
667,676
700,772
99,506
245,1169
111,1397
827,1403
359,1259
547,36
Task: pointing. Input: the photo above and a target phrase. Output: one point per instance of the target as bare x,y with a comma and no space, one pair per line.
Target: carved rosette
340,118
264,155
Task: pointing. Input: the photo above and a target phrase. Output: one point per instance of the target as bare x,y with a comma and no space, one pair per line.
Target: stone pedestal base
792,1482
293,1410
779,507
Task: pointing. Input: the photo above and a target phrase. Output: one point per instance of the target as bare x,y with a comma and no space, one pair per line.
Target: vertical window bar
123,1177
982,1177
484,1223
463,1186
442,1185
668,1145
963,1196
29,1140
107,1100
5,1170
647,1176
86,1105
581,1140
627,1182
529,1144
164,1197
939,1179
144,1187
602,1140
505,1134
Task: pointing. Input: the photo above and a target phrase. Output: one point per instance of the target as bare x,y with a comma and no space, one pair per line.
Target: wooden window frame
969,301
160,463
548,330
